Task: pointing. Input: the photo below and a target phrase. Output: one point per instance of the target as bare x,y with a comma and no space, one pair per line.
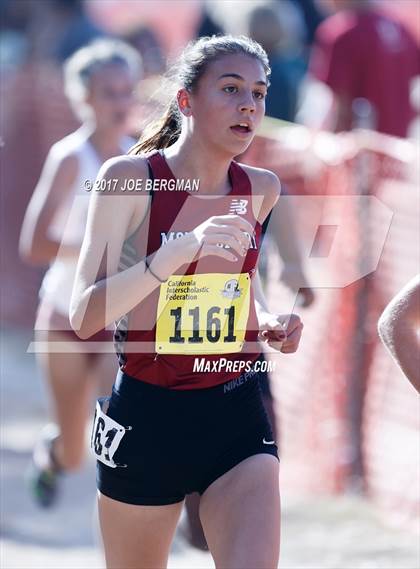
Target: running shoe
44,473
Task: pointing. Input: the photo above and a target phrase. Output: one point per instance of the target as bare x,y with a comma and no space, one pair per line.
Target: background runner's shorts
181,440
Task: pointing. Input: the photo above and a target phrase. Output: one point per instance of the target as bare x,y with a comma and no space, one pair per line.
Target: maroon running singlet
193,331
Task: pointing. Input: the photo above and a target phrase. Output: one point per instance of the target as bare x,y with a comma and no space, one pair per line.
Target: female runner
99,81
177,271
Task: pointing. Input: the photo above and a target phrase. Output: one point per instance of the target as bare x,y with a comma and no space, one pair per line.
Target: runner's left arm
399,327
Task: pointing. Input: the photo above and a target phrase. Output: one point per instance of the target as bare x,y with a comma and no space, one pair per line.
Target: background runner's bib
203,313
106,434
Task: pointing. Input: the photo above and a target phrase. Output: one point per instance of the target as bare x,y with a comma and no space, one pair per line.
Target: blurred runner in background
361,52
99,82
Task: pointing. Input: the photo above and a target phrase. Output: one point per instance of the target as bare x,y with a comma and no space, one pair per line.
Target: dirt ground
317,533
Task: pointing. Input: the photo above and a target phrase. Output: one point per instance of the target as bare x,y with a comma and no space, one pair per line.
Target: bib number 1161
213,328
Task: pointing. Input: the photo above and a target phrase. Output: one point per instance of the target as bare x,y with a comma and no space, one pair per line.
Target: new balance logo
238,206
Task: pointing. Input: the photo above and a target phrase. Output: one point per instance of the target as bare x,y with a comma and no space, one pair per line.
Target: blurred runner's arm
282,229
399,329
281,331
261,305
53,187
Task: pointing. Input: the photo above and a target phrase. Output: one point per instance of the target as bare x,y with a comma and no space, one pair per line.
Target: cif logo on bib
231,289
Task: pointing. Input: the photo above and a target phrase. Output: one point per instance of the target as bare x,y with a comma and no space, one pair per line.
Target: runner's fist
281,332
226,236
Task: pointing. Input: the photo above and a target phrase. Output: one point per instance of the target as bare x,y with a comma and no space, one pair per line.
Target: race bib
106,435
203,314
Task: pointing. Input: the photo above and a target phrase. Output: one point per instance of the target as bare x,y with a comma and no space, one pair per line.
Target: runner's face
232,91
110,96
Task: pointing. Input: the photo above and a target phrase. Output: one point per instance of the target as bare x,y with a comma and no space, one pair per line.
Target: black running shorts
182,440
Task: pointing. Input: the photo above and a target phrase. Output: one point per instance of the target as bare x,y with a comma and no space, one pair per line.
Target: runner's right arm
101,294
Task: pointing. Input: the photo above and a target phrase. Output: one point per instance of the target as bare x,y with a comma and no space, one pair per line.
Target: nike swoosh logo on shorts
268,442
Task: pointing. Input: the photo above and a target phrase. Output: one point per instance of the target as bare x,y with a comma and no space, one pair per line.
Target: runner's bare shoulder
123,179
122,170
64,154
60,169
265,183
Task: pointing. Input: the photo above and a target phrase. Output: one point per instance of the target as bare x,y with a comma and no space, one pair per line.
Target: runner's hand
281,332
209,238
226,236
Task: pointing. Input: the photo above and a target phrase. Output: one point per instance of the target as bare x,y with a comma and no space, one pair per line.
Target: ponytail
161,133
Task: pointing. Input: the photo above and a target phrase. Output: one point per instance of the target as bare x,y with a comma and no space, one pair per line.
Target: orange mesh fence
348,417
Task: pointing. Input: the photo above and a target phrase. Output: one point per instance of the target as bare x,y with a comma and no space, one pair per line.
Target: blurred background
342,126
